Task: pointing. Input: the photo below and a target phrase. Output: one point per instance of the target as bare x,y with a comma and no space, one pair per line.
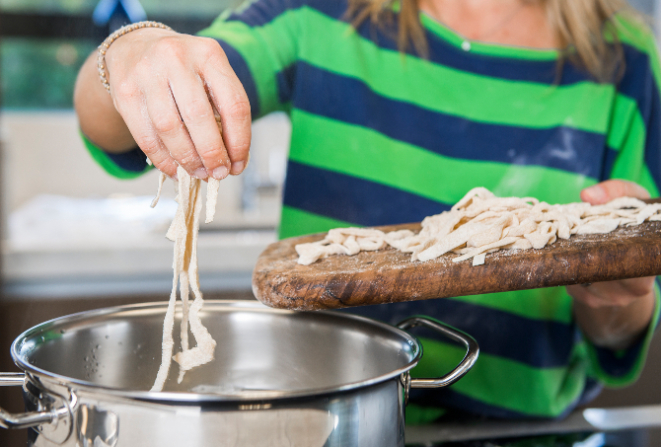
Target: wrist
105,48
616,326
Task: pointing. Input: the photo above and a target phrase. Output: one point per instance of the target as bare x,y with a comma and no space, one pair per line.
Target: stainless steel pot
280,378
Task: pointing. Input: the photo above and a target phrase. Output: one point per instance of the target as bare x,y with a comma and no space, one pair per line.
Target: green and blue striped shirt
380,137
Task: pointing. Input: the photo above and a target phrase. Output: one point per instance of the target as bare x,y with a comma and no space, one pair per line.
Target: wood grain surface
389,276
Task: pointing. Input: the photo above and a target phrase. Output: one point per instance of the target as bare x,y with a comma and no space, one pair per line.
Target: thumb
612,189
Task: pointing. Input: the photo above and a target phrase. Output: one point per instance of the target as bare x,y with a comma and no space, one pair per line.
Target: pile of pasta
183,232
482,223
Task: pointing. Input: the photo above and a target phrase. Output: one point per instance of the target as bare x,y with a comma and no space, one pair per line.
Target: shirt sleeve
634,138
261,43
634,144
623,367
127,165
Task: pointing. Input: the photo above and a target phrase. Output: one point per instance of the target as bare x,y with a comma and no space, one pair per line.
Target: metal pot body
279,379
369,416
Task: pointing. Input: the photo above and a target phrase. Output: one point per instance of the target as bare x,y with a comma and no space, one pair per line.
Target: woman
396,121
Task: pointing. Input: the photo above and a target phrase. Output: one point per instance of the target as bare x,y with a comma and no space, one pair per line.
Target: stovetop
638,426
638,438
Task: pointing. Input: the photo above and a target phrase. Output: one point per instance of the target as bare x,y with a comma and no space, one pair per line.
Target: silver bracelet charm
101,56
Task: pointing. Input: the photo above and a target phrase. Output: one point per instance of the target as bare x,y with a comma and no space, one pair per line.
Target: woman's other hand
614,314
165,88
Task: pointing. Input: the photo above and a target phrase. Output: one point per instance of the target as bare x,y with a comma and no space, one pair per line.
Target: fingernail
596,194
200,173
220,172
237,168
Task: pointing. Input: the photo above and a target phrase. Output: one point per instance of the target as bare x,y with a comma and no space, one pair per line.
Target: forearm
617,326
97,116
614,314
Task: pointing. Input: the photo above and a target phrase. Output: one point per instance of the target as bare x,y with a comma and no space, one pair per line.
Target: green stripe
628,135
474,97
107,164
369,154
506,383
625,119
647,181
295,222
421,415
549,304
630,161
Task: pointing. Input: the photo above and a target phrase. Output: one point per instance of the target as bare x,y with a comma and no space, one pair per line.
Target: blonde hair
581,27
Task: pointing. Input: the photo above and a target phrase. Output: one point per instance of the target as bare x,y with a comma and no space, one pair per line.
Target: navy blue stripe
537,343
352,101
262,12
653,140
352,199
286,79
653,137
240,67
617,364
444,53
538,71
134,161
610,157
638,82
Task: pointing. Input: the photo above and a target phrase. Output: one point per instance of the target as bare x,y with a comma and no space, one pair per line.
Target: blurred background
70,229
73,238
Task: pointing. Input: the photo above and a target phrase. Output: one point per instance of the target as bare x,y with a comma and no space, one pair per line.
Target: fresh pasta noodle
183,232
482,223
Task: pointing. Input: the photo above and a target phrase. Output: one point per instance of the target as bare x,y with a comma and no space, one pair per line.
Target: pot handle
472,351
26,420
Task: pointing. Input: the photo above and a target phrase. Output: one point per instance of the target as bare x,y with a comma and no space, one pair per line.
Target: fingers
230,99
619,293
612,189
171,131
137,120
207,146
167,98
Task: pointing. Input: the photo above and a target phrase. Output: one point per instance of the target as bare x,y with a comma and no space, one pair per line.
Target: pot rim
178,396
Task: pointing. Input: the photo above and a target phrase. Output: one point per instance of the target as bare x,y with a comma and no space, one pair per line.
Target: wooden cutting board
389,276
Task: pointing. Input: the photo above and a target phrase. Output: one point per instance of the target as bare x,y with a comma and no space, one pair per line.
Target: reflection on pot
97,428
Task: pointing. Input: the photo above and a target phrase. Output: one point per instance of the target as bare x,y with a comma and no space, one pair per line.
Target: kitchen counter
226,260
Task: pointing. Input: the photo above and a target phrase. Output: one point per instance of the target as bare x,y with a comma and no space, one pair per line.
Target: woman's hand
165,88
614,314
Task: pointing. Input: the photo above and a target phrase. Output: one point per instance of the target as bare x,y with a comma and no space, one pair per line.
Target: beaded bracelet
101,57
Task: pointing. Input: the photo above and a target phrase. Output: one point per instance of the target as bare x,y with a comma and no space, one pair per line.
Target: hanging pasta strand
184,232
161,180
202,353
